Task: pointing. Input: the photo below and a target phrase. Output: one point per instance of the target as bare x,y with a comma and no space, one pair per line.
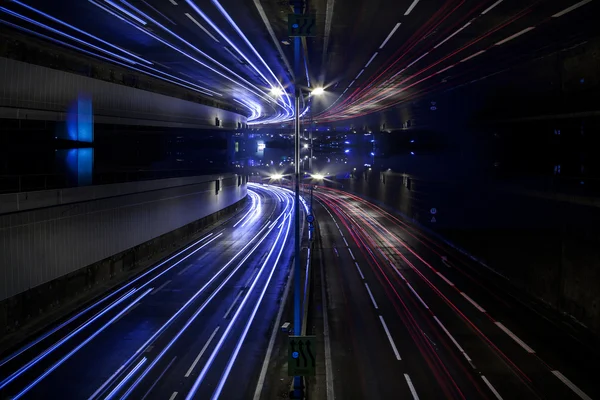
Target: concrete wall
49,234
30,91
546,245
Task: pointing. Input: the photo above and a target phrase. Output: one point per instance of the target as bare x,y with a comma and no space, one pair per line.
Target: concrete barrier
27,312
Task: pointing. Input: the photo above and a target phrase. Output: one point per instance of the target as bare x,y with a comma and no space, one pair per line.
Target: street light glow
318,177
276,177
305,146
317,91
277,92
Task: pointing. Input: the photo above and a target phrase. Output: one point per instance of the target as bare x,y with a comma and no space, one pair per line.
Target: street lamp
317,91
316,177
277,92
297,93
297,287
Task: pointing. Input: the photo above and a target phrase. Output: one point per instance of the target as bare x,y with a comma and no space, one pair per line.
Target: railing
35,182
20,47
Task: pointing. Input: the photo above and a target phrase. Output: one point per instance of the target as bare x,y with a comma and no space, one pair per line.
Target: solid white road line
444,278
359,270
493,389
173,396
491,7
183,271
158,289
411,7
416,294
387,332
233,304
515,338
470,300
371,296
452,338
516,35
573,7
189,371
571,385
411,387
328,363
124,314
274,332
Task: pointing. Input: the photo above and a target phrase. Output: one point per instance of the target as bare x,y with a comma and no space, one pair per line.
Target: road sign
433,219
310,218
433,211
302,25
301,356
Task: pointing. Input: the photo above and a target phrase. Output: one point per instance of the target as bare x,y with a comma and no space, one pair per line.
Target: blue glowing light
347,151
412,140
80,31
249,44
78,164
212,25
257,91
155,10
85,166
347,142
372,153
124,11
51,39
80,120
34,22
412,153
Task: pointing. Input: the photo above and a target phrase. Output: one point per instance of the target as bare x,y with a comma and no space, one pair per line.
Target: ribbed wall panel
32,87
38,245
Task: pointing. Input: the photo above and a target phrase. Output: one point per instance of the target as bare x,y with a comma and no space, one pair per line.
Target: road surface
411,317
195,325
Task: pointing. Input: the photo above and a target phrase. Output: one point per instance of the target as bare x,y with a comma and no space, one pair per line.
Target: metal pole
310,141
297,304
297,287
298,384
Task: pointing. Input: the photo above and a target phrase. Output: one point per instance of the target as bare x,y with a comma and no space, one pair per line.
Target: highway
411,317
195,325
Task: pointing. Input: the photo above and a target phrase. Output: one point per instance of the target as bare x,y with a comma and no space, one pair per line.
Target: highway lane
151,329
461,320
363,364
381,341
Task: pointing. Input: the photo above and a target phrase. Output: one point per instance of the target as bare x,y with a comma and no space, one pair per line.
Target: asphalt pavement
412,317
193,326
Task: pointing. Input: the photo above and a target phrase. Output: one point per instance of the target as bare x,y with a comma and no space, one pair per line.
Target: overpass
146,235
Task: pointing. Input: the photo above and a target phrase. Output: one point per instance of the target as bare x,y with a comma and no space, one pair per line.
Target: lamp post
316,92
319,178
297,327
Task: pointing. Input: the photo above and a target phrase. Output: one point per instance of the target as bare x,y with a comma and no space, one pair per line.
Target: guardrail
35,182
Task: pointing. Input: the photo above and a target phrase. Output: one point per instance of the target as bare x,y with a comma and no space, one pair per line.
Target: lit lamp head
318,177
276,177
317,91
277,92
